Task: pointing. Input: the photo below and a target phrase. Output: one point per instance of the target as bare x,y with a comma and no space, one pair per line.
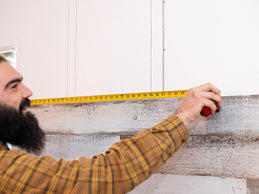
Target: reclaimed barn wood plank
73,146
216,156
205,155
221,145
180,184
253,186
238,117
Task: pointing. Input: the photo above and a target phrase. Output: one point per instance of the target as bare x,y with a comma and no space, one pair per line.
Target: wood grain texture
222,148
180,184
216,156
238,117
253,186
72,146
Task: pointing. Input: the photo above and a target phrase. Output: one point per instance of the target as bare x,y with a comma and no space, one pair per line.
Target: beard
21,129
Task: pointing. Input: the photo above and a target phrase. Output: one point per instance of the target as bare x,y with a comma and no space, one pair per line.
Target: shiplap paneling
221,146
217,156
237,117
73,146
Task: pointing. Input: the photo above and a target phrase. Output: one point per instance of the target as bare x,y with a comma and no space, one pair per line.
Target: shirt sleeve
118,170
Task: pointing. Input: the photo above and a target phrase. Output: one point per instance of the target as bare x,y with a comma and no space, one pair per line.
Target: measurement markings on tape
112,97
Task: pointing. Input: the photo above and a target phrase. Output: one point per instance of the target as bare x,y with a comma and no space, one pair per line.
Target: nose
26,92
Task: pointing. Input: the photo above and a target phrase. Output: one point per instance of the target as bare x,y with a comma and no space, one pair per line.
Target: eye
14,86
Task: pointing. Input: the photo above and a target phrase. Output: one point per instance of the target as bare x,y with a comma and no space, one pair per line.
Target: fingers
210,104
212,96
210,92
195,99
209,87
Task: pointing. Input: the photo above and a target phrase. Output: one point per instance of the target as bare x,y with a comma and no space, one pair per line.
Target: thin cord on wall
68,44
151,45
76,16
163,45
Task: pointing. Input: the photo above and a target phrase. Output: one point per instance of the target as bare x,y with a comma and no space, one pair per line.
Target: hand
195,99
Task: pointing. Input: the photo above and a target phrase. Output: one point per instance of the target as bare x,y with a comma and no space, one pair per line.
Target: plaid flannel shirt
118,170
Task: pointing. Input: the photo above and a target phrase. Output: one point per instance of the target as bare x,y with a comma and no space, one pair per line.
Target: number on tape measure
133,96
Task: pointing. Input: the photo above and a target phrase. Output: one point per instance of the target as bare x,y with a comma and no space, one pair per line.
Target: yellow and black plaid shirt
118,170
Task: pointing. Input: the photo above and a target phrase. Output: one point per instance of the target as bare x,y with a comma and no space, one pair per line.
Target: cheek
13,102
11,99
16,104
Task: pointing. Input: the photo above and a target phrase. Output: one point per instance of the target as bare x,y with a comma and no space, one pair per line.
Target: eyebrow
13,81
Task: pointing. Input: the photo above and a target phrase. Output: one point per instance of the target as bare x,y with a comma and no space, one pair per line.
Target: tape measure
112,97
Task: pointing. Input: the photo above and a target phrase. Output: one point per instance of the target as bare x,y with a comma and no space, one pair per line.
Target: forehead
7,73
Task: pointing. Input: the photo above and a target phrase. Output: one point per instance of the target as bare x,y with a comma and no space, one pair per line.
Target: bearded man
121,168
17,125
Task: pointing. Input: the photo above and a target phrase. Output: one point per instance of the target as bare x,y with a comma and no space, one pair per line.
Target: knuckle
195,93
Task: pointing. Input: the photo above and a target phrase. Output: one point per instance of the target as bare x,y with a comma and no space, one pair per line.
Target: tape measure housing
112,97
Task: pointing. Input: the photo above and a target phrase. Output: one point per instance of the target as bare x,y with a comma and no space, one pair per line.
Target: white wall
114,40
40,31
90,47
215,41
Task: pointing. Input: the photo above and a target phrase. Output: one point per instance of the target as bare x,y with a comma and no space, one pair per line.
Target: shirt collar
3,146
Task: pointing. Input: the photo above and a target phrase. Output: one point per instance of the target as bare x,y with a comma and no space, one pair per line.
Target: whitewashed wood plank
206,155
180,184
130,116
225,144
216,156
238,117
73,146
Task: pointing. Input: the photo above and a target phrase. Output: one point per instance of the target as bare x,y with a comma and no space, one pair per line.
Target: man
118,170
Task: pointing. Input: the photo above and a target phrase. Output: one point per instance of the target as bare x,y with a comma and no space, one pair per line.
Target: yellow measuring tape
112,97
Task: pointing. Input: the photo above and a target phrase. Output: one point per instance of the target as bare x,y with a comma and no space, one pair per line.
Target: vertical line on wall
163,45
151,44
76,46
68,28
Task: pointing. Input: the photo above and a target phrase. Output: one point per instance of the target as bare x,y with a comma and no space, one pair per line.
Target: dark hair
2,59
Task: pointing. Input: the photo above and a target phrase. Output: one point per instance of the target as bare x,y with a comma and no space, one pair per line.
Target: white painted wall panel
113,46
212,41
157,46
39,29
76,47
